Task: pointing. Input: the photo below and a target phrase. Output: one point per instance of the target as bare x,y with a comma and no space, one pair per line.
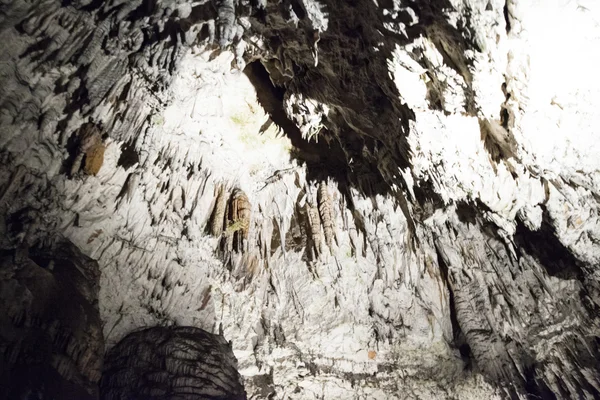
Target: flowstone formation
369,199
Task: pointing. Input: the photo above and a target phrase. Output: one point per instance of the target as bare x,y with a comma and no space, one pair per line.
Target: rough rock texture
420,182
51,343
171,363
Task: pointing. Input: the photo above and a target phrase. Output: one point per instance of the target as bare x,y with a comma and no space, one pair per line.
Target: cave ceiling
365,198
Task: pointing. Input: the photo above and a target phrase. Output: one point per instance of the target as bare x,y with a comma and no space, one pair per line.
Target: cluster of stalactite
231,219
314,218
76,74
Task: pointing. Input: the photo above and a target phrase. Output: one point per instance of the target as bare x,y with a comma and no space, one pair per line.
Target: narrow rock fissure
458,338
506,14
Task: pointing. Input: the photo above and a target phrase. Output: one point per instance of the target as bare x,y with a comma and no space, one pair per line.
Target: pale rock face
422,178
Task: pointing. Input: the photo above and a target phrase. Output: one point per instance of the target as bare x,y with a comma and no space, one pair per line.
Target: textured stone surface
51,340
171,363
421,176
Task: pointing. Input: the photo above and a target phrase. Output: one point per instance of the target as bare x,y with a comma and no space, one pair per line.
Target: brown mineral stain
94,235
94,158
372,354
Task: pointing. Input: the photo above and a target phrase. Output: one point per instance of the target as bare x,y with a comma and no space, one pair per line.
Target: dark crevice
93,5
458,338
504,117
544,245
427,200
202,12
326,159
129,157
146,8
506,16
298,8
466,213
125,188
275,237
536,389
72,150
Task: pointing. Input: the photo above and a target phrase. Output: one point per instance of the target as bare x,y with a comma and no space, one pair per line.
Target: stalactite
440,204
326,214
238,217
218,215
314,231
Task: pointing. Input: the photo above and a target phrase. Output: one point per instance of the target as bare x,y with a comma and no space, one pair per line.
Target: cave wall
423,207
51,340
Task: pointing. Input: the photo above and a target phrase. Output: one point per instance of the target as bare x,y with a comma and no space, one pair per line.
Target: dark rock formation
51,343
528,320
171,363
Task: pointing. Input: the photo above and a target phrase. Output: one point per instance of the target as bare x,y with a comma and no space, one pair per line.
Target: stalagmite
171,363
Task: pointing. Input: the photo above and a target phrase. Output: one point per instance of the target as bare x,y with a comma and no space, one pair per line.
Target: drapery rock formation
380,199
171,363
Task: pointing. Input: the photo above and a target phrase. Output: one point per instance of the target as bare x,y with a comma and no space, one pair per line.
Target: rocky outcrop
51,340
534,329
171,363
401,196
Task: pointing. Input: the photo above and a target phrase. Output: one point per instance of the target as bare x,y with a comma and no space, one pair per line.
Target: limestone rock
461,209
